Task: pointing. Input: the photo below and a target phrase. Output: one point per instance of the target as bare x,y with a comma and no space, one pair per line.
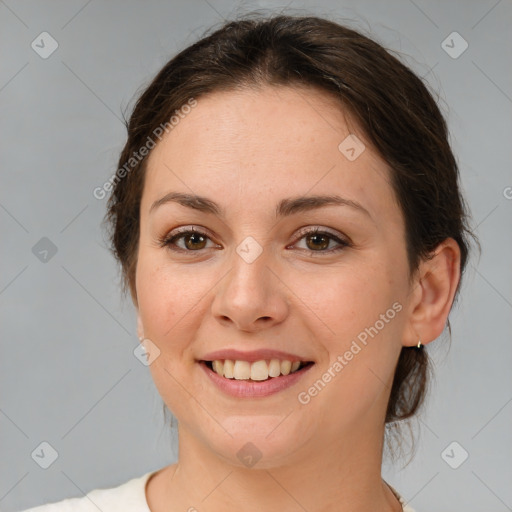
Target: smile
257,370
245,379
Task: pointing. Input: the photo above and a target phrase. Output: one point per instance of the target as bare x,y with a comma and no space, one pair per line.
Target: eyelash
170,239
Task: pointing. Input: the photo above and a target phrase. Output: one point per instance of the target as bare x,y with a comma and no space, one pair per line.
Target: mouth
254,379
256,371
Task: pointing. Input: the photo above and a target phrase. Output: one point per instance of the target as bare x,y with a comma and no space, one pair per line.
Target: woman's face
253,279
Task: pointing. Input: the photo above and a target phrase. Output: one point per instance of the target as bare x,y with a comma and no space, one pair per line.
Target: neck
344,476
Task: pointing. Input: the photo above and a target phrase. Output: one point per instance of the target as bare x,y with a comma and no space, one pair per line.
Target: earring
419,344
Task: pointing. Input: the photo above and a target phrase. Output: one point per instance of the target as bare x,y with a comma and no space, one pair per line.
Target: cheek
167,306
166,296
349,299
360,317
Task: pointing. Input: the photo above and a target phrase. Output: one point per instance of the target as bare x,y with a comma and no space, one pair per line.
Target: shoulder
127,497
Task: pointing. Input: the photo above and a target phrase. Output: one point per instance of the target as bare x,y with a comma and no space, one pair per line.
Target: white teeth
229,367
274,368
218,367
258,370
286,367
242,370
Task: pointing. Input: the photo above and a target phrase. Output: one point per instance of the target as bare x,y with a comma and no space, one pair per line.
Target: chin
261,442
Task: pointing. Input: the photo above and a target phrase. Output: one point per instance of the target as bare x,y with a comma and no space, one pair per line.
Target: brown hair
390,104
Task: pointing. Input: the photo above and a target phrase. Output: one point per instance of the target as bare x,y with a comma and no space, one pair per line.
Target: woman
289,223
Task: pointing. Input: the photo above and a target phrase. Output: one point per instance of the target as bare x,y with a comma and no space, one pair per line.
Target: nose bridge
250,290
249,279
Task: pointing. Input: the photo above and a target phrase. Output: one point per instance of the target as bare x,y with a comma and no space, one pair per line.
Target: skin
247,150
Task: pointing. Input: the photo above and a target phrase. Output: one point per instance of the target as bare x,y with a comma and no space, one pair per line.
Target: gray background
68,373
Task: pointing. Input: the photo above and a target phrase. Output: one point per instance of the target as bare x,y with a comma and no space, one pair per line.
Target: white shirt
127,497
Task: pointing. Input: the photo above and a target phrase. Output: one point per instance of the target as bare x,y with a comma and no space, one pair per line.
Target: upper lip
253,355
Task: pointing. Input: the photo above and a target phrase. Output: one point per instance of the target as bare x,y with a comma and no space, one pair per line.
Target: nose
251,296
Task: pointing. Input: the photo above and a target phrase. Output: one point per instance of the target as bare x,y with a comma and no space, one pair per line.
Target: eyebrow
284,208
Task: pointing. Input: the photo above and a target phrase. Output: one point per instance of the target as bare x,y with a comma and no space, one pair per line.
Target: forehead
250,145
265,123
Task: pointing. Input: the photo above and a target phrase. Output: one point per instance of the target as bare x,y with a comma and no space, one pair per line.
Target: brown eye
193,240
317,241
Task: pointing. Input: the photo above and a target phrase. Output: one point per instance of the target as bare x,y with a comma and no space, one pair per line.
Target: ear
432,294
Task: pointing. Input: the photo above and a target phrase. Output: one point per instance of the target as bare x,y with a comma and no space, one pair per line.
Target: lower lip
251,388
